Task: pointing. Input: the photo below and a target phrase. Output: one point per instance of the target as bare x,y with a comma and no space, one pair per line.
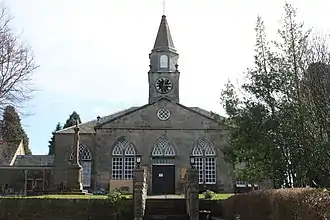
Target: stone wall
143,129
215,206
121,184
65,209
191,193
139,192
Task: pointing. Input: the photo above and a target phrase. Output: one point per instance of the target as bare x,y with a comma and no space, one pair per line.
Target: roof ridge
91,122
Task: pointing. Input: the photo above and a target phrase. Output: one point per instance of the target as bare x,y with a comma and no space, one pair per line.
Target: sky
93,55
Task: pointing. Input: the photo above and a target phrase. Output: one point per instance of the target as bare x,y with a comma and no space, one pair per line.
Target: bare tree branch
17,64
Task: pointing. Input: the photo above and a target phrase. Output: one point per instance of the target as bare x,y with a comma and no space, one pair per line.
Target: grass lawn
65,197
219,196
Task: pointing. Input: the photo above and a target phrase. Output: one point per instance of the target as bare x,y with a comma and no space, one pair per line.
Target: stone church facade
165,135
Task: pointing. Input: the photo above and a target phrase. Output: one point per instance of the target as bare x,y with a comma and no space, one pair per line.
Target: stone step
166,207
166,217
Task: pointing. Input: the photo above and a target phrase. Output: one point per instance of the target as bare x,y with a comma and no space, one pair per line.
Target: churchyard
279,134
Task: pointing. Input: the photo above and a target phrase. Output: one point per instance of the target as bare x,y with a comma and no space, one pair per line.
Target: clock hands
163,85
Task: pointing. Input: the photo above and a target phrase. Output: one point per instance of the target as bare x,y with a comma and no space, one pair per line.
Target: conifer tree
11,129
71,121
279,129
51,145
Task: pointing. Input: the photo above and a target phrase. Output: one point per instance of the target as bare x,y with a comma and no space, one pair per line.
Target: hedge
280,204
64,209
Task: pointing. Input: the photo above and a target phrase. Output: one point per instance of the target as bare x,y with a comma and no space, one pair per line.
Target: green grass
220,196
65,197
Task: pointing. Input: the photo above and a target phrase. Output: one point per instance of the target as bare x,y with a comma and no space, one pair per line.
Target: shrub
296,203
208,194
117,202
114,196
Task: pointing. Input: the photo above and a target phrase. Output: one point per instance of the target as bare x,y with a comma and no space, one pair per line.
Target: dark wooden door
163,179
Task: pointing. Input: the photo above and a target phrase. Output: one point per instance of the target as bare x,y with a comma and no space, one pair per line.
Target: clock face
163,85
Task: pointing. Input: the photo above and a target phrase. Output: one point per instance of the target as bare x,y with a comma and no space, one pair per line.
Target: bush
117,202
114,196
208,194
296,203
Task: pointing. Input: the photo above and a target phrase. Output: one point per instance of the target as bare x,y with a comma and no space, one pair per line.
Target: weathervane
163,7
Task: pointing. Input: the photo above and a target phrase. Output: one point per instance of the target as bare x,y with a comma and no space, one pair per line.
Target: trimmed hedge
64,209
280,204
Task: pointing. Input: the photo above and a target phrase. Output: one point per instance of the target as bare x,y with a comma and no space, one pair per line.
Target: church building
164,136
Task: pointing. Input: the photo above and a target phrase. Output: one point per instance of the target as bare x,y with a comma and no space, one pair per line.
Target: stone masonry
191,193
139,192
142,127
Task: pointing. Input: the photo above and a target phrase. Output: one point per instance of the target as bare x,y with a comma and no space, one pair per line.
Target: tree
294,112
316,93
272,128
51,145
253,119
71,121
11,129
17,65
316,83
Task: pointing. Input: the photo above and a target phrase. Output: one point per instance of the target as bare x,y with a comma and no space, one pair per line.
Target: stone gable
146,117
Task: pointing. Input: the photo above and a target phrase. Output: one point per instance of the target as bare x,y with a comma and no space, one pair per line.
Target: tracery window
123,160
163,114
163,147
205,161
85,159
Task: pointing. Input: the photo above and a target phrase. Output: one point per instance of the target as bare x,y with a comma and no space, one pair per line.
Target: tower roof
164,40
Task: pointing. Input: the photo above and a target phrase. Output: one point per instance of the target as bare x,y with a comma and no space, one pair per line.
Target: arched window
163,152
205,161
123,160
163,147
163,61
85,159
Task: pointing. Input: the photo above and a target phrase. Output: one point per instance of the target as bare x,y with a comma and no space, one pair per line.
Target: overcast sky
93,55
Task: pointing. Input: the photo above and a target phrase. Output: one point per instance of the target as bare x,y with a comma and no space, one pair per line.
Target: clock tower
163,75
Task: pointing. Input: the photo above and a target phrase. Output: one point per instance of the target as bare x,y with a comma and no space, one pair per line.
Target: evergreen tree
11,129
51,145
71,121
273,129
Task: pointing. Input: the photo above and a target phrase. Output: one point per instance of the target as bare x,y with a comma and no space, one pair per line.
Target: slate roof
88,127
202,111
34,160
164,41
